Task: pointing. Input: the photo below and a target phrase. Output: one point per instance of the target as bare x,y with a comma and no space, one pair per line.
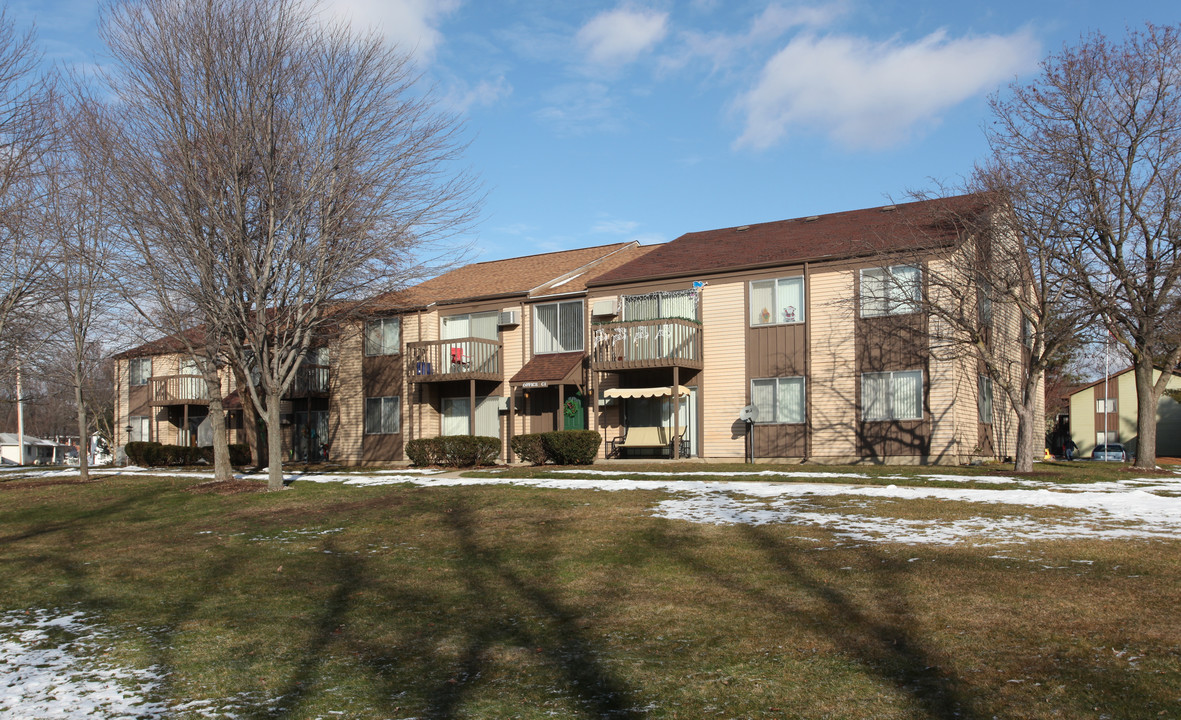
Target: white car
1111,452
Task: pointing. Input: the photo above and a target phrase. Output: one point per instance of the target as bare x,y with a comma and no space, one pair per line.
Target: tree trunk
222,470
1026,447
1146,400
83,436
274,445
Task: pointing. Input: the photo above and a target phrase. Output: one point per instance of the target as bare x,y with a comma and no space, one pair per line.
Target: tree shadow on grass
876,628
566,648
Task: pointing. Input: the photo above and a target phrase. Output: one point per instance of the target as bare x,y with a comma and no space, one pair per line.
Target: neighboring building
36,450
1104,411
815,322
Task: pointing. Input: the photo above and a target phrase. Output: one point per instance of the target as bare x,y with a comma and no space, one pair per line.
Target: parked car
1112,452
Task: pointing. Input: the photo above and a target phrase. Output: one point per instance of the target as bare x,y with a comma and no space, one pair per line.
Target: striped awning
644,392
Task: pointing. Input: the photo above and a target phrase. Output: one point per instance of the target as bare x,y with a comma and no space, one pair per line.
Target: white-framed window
456,412
777,302
139,370
383,415
1110,405
318,356
140,429
1103,438
895,290
479,325
383,337
557,327
779,400
892,395
985,400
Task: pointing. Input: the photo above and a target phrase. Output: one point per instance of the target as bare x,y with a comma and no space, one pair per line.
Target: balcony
640,344
310,381
178,390
459,359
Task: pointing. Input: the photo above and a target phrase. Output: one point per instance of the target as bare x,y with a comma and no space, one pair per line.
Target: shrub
467,450
529,448
572,447
141,453
422,452
239,454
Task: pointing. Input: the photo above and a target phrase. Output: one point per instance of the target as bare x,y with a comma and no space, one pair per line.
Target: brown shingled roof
166,345
497,278
854,233
551,367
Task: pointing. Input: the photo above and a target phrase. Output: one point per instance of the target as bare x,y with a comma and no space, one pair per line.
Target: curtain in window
641,307
455,416
485,325
874,295
985,399
571,326
545,329
139,428
908,395
874,396
790,302
762,395
487,417
681,304
906,290
762,302
790,401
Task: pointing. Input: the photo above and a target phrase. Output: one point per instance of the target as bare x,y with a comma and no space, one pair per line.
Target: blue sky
600,122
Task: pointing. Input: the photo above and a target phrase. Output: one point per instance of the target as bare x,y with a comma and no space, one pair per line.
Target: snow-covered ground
1132,508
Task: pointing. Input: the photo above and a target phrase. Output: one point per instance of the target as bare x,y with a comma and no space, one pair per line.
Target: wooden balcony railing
178,390
461,359
641,344
310,381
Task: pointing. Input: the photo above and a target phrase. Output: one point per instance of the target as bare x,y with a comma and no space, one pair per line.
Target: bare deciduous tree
1000,299
26,133
1097,138
289,167
75,220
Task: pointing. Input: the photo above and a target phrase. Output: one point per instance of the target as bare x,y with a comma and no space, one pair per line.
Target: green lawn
500,602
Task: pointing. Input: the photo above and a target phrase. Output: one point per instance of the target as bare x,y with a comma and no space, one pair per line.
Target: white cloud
463,97
866,94
411,24
619,36
615,227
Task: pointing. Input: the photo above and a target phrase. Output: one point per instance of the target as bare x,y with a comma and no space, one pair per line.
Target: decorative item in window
765,316
789,314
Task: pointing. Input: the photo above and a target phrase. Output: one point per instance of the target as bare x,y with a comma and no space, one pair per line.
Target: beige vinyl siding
1082,421
723,320
346,407
1126,392
832,391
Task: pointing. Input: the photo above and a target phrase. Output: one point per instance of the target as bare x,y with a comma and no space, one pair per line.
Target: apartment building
1104,411
813,328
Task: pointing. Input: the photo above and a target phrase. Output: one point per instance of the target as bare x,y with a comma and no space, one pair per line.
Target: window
894,290
985,400
779,400
317,356
139,369
383,416
383,337
557,327
892,395
455,416
1106,406
140,430
666,305
1103,438
479,325
775,302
